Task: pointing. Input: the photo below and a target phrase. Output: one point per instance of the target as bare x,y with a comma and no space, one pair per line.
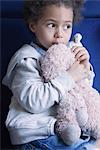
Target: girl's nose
58,33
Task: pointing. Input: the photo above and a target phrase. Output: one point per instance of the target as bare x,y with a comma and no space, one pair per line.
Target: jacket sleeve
32,92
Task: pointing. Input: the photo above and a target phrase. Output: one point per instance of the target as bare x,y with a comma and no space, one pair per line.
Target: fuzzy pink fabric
80,105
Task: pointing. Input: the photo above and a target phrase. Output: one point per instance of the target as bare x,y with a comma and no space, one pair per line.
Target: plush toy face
58,59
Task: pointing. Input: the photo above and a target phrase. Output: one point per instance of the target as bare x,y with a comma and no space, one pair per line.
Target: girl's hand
76,71
82,55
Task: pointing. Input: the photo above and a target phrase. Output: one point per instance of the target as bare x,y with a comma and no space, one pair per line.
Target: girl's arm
30,90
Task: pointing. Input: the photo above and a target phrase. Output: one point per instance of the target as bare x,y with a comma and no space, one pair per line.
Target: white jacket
32,112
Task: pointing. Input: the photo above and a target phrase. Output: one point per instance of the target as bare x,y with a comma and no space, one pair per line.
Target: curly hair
33,9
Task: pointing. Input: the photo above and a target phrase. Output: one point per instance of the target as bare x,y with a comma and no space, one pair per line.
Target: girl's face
55,26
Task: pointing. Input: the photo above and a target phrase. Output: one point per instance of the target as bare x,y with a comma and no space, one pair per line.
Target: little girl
32,115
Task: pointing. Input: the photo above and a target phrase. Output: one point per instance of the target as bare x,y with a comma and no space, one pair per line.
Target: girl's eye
67,26
51,25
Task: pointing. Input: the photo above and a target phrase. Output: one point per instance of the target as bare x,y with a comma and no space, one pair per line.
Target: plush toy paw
82,116
71,134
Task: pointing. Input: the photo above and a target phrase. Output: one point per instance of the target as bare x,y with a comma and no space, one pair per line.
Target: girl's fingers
73,48
83,57
80,51
76,49
80,54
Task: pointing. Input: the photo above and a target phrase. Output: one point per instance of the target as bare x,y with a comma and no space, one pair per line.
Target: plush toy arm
67,126
65,116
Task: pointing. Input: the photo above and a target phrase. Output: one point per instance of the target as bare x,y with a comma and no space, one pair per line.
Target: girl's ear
32,27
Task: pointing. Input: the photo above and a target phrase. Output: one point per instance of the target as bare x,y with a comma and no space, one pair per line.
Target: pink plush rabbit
79,108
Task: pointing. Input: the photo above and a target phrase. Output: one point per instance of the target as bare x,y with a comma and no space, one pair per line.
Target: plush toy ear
76,41
77,38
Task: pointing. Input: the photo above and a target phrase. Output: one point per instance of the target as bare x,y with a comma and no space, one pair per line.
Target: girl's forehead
58,12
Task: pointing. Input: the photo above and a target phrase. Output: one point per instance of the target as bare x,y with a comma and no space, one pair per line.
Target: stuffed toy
79,109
